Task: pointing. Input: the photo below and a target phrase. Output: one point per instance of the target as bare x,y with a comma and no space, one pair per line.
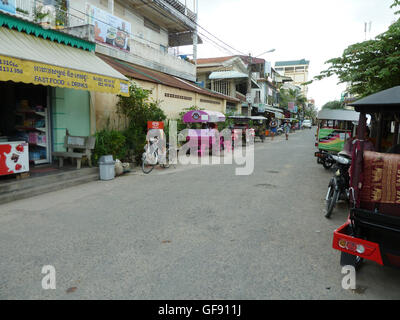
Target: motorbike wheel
327,164
332,199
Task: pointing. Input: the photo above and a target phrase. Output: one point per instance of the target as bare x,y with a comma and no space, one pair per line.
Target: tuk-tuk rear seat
378,215
381,183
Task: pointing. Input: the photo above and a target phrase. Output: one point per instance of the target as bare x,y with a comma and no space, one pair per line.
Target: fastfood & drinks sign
18,70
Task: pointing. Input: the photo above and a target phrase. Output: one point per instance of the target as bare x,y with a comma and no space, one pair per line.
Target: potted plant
40,15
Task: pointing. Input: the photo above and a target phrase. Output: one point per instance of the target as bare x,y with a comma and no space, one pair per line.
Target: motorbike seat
344,154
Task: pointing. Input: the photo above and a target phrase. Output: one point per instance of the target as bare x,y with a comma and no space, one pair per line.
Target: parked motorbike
339,185
324,158
279,131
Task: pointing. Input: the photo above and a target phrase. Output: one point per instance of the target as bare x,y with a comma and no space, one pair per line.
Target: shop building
47,79
173,94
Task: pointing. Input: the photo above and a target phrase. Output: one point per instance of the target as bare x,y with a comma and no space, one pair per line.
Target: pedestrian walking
286,129
273,127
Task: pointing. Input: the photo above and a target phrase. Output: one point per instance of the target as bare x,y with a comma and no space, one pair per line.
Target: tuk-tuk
260,126
203,133
372,230
334,128
242,129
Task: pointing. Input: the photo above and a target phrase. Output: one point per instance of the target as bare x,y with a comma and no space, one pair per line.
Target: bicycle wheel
146,167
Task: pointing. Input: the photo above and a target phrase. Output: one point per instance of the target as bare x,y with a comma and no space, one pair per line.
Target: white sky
316,30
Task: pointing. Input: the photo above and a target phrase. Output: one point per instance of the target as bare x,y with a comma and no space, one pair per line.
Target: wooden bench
77,148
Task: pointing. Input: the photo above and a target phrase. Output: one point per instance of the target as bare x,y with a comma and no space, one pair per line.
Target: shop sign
108,29
17,70
155,125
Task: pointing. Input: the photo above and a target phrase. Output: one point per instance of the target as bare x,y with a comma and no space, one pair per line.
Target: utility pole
195,33
248,96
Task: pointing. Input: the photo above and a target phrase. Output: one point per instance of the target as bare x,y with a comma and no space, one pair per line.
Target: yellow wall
173,101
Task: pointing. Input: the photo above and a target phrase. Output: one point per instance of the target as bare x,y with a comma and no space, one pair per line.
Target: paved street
197,232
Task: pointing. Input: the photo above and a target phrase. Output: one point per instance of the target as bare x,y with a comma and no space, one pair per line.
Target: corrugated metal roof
28,47
145,74
213,60
227,75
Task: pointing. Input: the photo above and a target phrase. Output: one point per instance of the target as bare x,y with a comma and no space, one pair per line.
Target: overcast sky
316,30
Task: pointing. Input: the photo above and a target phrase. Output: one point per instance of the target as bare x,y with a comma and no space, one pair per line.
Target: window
222,86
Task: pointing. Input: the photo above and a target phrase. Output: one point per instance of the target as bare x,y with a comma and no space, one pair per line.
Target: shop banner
17,70
108,29
14,158
8,6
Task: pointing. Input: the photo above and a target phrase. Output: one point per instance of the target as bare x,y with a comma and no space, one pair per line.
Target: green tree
138,109
333,105
310,112
369,66
293,95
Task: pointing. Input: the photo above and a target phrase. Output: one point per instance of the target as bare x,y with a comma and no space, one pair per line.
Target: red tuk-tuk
372,230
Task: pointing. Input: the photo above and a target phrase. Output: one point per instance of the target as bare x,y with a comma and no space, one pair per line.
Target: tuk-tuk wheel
347,259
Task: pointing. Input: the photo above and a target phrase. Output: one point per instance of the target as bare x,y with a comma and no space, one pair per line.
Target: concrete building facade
297,70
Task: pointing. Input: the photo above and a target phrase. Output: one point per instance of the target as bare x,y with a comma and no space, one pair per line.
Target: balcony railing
74,22
182,9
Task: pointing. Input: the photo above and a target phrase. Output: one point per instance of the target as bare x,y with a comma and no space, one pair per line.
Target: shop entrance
24,117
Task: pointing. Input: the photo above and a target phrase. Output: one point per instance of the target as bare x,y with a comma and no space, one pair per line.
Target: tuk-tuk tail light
363,248
355,247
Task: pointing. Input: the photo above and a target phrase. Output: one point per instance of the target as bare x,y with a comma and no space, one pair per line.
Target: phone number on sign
9,66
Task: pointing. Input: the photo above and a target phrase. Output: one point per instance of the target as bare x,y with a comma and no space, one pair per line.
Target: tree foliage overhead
369,66
333,105
292,95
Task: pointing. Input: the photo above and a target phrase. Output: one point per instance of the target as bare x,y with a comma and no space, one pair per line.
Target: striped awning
29,59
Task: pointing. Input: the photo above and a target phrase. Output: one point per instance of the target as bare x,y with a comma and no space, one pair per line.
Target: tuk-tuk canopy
338,114
203,116
384,101
257,118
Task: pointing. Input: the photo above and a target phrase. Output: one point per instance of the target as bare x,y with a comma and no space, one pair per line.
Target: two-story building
229,76
62,44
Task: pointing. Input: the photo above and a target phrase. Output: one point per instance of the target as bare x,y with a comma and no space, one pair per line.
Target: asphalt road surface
190,232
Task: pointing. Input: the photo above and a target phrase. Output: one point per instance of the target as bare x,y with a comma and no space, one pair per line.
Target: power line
216,44
103,22
181,23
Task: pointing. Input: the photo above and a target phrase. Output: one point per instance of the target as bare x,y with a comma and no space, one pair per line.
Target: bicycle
151,156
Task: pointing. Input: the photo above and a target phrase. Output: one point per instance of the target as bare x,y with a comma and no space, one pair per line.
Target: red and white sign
155,125
14,157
